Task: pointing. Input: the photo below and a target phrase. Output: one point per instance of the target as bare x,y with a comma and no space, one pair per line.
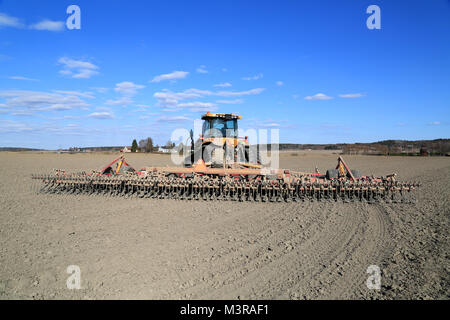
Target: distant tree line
386,147
146,145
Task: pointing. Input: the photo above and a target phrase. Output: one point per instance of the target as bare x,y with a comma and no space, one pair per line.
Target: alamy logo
74,280
374,20
374,280
74,20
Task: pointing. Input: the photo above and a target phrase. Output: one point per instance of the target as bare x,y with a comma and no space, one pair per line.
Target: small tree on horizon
134,146
142,144
146,145
149,145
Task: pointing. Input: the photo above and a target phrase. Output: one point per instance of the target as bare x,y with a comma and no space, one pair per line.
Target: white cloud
84,74
4,109
101,115
65,117
148,116
76,93
239,93
195,104
174,119
199,92
65,72
279,83
41,101
274,124
171,109
22,113
352,95
128,88
256,77
202,69
198,106
223,85
77,69
10,126
435,123
76,64
236,101
100,89
123,101
203,109
170,76
22,78
48,25
319,96
169,99
8,21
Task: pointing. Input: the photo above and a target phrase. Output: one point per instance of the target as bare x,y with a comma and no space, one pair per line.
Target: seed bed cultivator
238,183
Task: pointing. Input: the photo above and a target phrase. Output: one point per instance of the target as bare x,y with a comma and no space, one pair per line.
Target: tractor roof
210,115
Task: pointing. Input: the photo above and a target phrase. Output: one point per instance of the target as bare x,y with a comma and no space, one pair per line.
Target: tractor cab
220,125
219,144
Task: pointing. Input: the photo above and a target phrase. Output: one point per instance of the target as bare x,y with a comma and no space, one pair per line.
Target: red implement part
124,163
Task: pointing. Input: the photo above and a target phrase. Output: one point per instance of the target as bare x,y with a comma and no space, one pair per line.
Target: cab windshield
224,127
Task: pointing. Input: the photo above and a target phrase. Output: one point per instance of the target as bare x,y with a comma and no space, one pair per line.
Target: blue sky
311,69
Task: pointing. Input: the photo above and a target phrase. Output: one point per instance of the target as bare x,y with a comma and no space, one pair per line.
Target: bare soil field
179,249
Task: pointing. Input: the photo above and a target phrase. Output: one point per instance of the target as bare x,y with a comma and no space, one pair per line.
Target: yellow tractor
220,146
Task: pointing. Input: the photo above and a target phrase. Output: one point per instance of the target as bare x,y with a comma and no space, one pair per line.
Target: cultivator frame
236,183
